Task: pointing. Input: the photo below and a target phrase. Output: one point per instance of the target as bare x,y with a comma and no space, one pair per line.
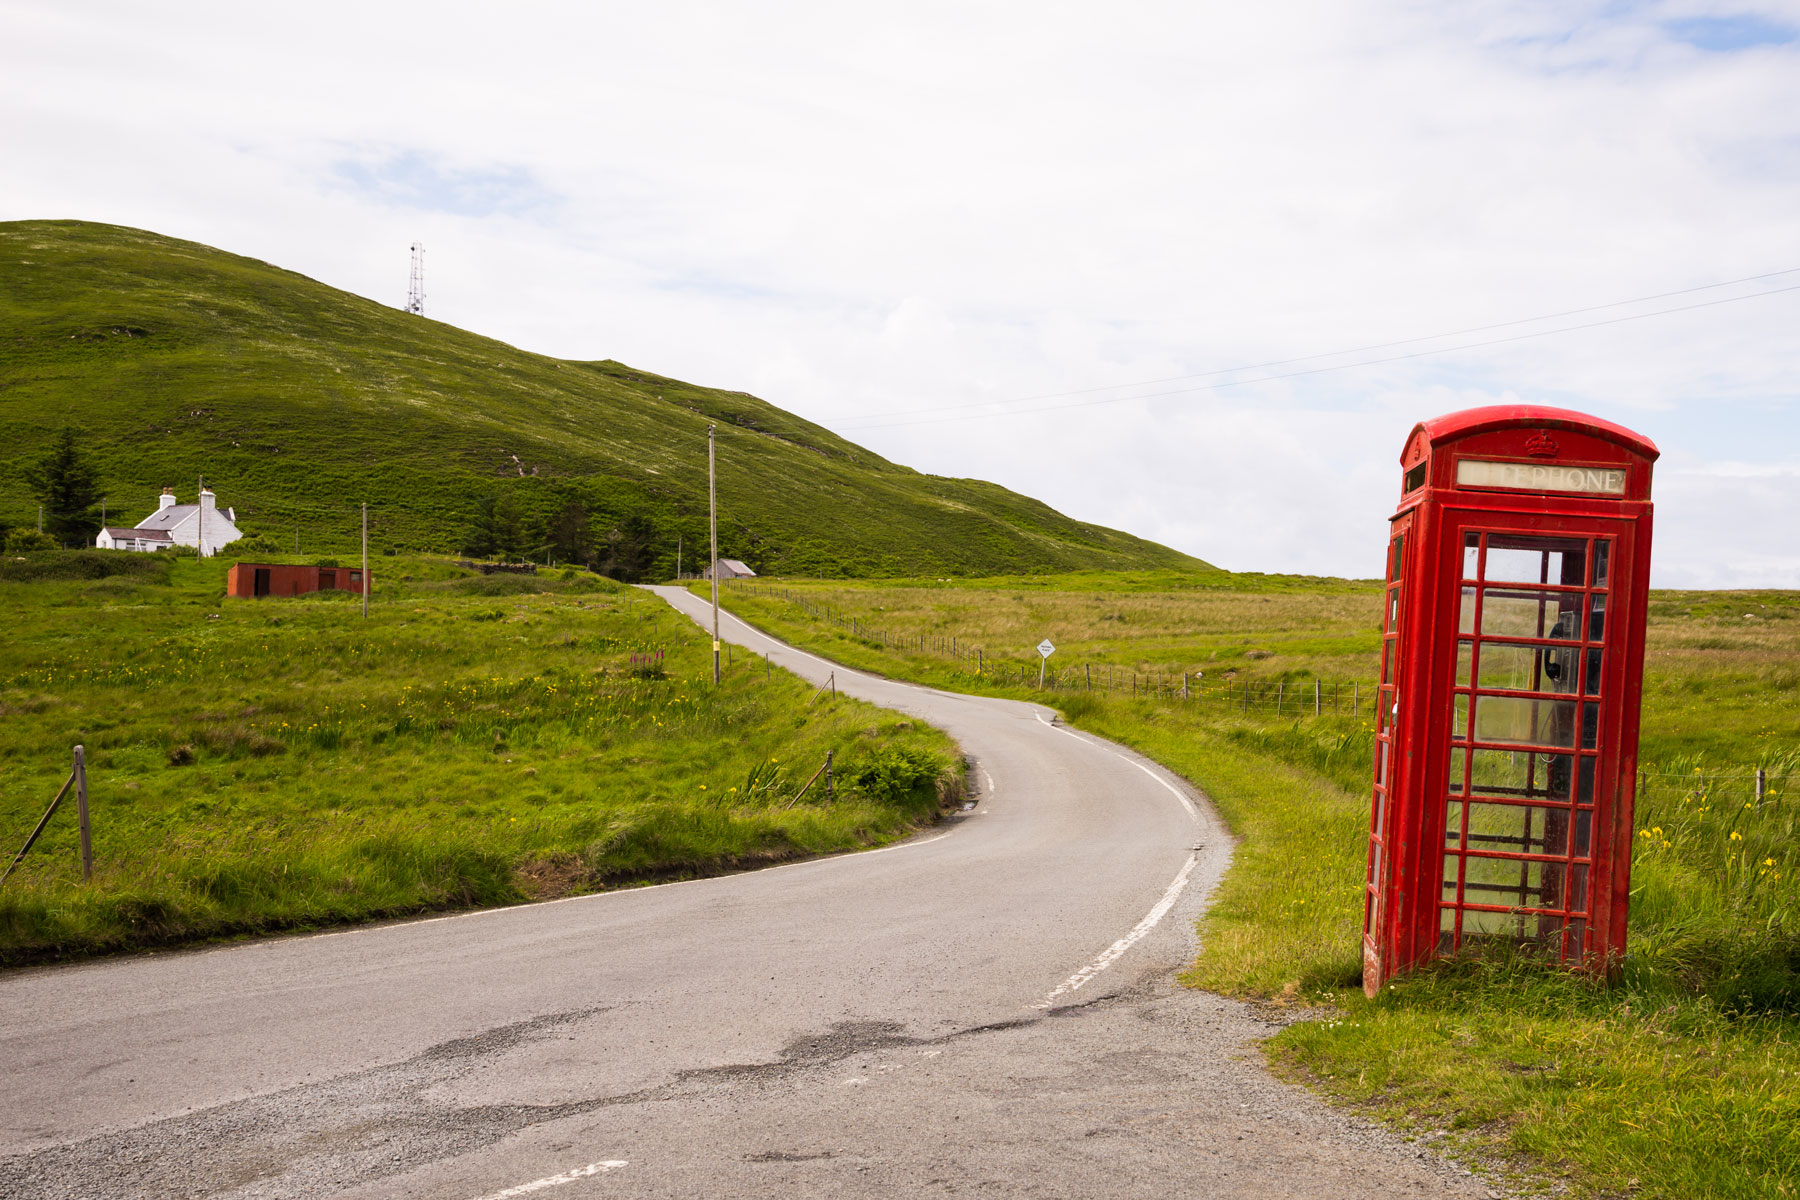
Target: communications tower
415,292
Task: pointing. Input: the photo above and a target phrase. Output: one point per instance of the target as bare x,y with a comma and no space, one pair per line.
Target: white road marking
1111,954
550,1181
1173,790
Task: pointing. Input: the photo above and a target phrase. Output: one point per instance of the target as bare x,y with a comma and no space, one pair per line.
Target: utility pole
200,500
712,519
40,518
365,577
678,558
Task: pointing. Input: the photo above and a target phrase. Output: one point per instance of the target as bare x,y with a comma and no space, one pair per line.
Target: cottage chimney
168,498
207,501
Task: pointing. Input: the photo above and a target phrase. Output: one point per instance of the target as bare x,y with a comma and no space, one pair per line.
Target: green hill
298,401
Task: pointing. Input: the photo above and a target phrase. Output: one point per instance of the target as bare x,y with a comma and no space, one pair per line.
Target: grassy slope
298,401
1682,1081
474,741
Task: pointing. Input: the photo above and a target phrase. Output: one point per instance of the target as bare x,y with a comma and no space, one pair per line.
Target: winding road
986,1009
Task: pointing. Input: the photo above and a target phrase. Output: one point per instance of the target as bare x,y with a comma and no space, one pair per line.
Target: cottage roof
168,518
732,564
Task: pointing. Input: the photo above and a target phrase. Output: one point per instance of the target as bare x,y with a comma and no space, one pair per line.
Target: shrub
246,546
29,541
902,776
85,564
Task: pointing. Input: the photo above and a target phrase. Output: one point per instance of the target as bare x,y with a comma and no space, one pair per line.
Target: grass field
299,402
1681,1080
276,764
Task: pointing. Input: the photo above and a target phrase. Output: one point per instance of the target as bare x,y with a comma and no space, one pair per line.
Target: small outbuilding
255,580
730,568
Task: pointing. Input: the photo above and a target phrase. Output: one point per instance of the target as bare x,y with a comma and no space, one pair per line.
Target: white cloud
858,211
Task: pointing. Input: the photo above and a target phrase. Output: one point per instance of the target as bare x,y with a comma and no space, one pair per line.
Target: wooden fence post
1762,785
1316,697
81,814
1279,688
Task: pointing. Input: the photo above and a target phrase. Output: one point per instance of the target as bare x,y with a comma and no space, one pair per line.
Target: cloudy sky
1046,244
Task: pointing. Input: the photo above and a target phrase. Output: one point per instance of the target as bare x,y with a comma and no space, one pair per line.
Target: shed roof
140,533
732,564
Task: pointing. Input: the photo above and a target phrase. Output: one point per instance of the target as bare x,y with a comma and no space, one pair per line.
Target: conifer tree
68,486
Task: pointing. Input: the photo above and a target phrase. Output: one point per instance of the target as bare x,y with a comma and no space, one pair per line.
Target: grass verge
279,764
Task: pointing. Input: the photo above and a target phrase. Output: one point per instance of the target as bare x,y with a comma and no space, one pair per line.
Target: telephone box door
1531,721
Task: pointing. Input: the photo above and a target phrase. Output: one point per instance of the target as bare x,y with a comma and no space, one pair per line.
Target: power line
959,411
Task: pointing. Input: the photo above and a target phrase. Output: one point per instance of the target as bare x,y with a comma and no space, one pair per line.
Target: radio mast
415,291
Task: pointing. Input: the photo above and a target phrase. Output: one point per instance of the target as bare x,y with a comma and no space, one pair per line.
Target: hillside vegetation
298,402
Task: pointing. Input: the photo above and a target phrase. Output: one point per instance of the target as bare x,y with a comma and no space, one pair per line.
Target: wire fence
1278,697
1762,787
1741,789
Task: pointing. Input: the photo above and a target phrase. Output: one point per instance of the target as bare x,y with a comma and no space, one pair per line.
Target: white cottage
175,524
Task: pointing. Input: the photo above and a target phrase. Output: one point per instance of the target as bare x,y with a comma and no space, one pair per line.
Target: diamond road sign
1045,648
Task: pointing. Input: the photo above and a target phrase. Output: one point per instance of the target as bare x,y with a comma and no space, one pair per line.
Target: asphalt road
987,1009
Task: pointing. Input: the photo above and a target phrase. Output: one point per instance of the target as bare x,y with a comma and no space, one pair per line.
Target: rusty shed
255,580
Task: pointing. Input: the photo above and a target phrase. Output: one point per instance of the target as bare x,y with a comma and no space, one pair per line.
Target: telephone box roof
1533,416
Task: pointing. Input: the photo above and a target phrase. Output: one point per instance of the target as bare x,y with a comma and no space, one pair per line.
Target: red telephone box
1512,658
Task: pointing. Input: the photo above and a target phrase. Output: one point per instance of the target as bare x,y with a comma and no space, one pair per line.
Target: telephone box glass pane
1459,717
1584,793
1584,831
1509,667
1521,774
1518,927
1551,615
1518,829
1602,553
1465,661
1536,560
1597,619
1528,721
1458,758
1513,882
1471,555
1393,610
1590,726
1465,620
